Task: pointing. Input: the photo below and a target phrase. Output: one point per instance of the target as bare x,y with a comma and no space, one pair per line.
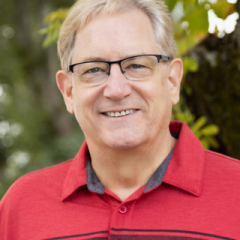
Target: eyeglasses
134,68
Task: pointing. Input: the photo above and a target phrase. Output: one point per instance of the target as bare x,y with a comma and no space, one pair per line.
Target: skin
125,151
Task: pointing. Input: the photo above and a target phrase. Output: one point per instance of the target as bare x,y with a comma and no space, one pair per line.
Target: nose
117,86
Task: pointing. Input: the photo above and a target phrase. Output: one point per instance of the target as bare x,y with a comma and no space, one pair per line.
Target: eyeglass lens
136,68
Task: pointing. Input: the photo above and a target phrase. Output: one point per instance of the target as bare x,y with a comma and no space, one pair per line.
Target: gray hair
85,10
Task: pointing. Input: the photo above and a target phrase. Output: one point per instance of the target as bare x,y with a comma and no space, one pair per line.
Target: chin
124,143
124,146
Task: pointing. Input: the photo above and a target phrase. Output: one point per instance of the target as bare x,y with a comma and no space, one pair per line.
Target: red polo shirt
194,194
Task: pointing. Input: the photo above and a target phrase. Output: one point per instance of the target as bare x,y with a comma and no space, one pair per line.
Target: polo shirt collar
184,171
93,183
76,175
186,168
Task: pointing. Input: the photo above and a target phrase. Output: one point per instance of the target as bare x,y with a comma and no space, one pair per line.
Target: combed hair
85,10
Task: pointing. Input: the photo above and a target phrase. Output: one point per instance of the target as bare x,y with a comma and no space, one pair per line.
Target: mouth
120,114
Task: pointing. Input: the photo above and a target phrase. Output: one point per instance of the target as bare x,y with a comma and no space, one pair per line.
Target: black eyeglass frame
159,57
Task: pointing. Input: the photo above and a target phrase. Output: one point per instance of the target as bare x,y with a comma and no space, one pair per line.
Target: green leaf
210,130
187,89
205,143
43,31
60,15
199,123
54,21
213,142
171,4
189,6
222,8
184,116
185,43
189,65
188,2
209,142
198,20
178,30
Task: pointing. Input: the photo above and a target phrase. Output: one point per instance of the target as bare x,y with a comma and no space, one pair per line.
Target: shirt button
122,209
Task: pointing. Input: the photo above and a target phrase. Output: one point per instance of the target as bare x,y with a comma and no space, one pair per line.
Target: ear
175,78
65,86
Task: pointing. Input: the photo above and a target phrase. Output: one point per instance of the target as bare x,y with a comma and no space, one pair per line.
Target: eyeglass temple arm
163,57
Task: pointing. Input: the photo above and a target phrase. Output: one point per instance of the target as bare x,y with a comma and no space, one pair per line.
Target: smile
120,114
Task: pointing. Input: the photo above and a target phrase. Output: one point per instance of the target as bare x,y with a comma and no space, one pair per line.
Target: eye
137,66
94,70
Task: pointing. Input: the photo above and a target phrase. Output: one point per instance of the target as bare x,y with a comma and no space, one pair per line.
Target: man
134,177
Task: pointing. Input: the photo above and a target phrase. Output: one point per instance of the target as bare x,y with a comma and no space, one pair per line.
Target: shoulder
222,161
42,182
31,197
221,167
45,176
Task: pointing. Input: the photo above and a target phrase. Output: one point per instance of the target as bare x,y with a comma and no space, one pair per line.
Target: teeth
119,114
123,113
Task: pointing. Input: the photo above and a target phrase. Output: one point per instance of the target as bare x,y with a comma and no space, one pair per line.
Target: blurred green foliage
205,133
35,130
191,25
215,90
54,22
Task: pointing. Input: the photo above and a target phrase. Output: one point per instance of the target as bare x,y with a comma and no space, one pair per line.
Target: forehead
113,37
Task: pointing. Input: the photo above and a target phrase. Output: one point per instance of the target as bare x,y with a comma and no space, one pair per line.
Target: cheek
161,99
159,93
76,101
84,102
79,103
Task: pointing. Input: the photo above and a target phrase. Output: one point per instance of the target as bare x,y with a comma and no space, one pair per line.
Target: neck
124,171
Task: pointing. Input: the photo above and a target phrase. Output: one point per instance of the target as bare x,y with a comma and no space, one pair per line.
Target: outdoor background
35,129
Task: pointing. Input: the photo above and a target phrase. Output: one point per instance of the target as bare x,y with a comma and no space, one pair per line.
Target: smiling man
135,177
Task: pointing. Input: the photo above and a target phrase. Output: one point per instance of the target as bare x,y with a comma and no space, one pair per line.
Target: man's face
112,38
